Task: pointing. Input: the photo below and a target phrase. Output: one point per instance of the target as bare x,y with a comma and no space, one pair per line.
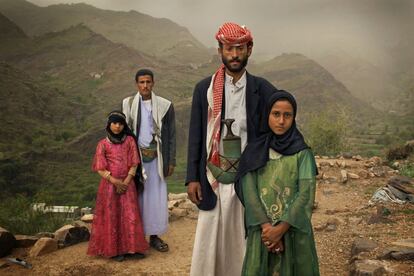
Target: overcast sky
368,27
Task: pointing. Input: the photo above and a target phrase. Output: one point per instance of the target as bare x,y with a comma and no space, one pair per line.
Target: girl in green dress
276,184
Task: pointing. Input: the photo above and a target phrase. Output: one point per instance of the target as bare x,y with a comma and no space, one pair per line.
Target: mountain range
64,67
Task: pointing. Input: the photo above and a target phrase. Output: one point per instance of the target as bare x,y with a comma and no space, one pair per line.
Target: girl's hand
273,234
119,185
275,247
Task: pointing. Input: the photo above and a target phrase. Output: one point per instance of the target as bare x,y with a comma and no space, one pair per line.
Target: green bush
408,170
326,132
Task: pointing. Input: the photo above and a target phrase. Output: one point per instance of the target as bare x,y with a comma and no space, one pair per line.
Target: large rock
43,246
367,268
79,223
7,242
24,241
69,235
398,253
362,245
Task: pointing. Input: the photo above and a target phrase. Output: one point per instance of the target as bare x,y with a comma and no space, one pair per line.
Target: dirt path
344,205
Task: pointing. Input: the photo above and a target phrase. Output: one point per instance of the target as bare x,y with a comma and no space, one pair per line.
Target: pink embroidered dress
117,225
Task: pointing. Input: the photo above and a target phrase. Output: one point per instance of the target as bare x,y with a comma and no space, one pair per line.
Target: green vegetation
17,216
408,170
326,133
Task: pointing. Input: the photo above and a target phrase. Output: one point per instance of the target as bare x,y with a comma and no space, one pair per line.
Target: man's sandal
159,244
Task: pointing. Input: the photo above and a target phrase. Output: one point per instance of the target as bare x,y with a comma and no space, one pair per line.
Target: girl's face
281,117
116,128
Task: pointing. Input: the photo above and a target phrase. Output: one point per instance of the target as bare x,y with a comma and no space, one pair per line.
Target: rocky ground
352,237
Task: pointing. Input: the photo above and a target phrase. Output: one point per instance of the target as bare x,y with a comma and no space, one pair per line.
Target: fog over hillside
367,28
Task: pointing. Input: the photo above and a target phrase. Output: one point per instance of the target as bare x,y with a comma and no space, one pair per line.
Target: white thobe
153,200
219,244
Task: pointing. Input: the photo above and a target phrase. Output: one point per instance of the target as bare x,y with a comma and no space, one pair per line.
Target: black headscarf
117,117
256,154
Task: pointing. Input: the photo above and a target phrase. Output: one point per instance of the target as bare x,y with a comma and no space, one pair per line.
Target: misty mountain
9,30
370,83
154,36
33,114
314,87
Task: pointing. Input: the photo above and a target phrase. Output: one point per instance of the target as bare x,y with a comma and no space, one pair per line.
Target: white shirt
235,108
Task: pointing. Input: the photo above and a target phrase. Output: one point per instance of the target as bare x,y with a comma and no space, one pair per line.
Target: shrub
326,133
399,152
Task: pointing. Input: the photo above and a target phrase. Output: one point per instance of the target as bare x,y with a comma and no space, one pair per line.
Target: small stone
344,176
331,227
87,218
320,227
347,155
317,157
362,245
396,164
343,165
43,246
325,157
357,158
353,176
363,174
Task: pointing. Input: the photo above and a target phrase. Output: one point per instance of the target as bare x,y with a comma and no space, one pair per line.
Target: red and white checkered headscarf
233,34
230,34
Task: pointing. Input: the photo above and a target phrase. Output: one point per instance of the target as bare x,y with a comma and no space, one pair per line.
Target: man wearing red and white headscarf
231,93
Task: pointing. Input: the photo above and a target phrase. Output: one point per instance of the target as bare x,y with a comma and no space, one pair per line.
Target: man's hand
194,192
170,170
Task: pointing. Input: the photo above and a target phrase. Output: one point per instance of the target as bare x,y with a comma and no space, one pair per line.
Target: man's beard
239,68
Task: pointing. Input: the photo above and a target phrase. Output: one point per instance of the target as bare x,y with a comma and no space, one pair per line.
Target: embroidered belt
148,154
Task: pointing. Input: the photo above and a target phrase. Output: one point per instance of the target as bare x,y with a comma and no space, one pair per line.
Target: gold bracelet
132,171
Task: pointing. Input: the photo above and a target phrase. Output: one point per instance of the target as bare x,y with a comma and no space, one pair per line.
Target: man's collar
240,83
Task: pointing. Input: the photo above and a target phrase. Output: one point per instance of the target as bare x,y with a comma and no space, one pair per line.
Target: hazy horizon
367,29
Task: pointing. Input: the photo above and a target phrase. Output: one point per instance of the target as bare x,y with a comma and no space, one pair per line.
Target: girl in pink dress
117,226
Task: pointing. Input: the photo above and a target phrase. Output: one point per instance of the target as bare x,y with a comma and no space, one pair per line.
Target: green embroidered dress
283,190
